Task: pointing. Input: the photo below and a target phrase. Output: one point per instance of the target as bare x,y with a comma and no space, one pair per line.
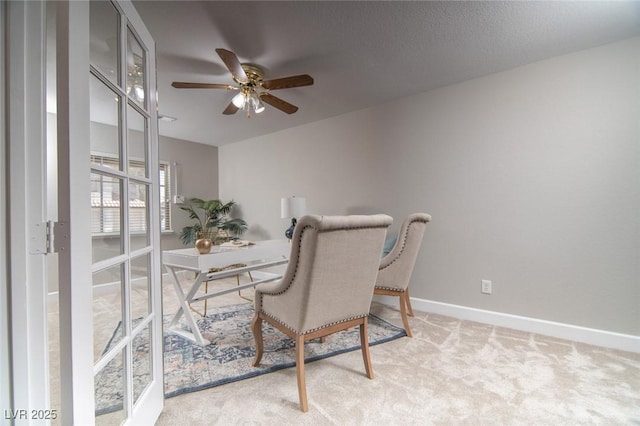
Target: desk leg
195,334
240,291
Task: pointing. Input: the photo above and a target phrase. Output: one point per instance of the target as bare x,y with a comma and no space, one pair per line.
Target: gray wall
532,177
197,177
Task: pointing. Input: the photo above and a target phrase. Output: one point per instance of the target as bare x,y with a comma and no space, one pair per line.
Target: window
105,198
165,197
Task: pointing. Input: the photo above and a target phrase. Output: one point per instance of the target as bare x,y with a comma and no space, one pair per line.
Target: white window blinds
106,194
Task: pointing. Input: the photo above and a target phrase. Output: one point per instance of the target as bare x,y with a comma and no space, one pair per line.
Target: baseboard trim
608,339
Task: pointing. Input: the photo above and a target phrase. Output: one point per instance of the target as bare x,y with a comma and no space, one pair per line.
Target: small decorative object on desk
237,243
203,245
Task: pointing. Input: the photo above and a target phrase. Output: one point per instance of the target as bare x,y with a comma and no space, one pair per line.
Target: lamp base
289,232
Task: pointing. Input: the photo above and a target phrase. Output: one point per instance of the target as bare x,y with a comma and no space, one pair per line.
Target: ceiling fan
252,89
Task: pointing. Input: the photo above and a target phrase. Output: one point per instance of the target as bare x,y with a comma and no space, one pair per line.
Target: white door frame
74,248
26,198
5,367
23,329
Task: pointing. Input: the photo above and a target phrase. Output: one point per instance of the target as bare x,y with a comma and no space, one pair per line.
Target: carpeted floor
450,372
189,367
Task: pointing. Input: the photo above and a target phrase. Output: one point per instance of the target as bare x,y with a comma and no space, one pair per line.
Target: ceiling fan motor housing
254,73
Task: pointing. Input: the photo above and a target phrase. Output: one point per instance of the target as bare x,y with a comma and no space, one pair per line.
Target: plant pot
203,245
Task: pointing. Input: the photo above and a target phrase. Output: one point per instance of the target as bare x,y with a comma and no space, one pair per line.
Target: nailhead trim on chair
313,329
404,242
334,323
295,272
392,289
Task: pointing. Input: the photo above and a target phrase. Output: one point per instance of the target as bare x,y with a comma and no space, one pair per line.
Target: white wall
532,177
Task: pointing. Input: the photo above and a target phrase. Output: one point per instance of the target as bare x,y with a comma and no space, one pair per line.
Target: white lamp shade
239,100
293,207
258,106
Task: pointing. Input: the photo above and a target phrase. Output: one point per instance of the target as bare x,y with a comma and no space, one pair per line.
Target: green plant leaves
210,215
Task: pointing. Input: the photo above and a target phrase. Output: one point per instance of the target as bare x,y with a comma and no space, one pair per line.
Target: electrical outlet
178,199
486,287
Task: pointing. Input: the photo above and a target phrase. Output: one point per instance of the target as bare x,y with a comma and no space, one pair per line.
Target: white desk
263,254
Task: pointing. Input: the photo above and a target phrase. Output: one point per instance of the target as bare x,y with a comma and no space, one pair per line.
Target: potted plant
212,222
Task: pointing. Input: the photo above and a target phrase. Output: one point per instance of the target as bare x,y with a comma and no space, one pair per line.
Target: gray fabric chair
396,267
327,286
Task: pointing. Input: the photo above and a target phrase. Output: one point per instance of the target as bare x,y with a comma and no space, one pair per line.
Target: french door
107,235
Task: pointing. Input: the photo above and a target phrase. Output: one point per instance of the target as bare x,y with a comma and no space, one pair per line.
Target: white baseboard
608,339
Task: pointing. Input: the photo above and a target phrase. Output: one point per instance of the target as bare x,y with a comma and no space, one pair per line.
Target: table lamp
292,207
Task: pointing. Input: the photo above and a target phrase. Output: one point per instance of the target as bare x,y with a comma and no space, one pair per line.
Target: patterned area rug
190,367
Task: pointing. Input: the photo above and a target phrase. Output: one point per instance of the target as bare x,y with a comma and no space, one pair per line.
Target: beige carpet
450,372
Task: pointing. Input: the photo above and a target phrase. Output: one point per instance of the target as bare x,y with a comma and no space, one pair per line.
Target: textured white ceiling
360,53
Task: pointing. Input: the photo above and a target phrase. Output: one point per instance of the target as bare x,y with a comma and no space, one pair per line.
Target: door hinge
41,239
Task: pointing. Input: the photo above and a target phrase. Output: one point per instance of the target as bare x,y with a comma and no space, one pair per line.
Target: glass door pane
110,392
138,215
104,52
124,221
109,202
140,289
106,216
107,310
137,142
104,126
142,362
136,69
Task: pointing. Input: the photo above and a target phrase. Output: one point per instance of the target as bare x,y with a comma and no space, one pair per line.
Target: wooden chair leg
403,312
256,328
408,301
302,386
364,344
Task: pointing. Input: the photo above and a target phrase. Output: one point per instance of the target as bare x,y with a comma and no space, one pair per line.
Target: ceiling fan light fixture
253,89
139,93
257,104
239,100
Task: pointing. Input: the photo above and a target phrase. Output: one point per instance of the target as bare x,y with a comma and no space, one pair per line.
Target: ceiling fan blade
278,103
288,82
182,85
230,109
233,64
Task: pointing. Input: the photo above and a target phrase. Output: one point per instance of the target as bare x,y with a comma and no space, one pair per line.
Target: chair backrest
396,267
332,269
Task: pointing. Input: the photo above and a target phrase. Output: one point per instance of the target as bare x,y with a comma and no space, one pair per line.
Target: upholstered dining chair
396,267
327,286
